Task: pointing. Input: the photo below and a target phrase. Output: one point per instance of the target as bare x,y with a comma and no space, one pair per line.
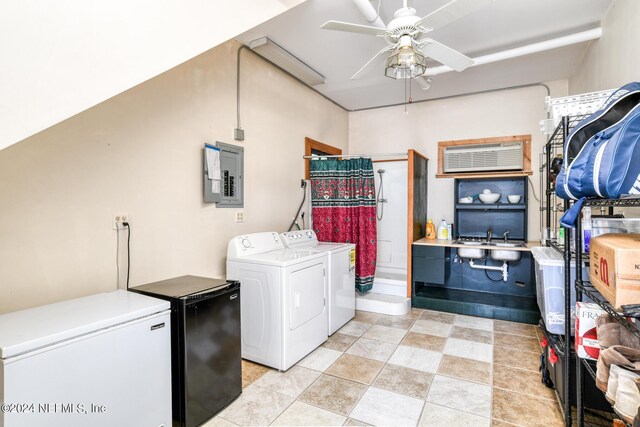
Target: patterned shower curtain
344,210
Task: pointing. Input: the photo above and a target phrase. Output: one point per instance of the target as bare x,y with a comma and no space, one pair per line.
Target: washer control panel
299,238
255,243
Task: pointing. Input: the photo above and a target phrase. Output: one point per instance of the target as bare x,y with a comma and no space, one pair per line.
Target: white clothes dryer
341,285
283,302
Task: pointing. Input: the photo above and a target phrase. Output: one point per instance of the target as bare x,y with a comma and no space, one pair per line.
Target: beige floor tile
517,342
355,328
465,369
339,342
428,342
372,349
516,358
292,382
320,359
469,349
440,416
414,313
245,384
352,422
332,393
355,368
521,381
252,371
514,328
302,414
525,410
438,316
431,327
399,379
462,395
384,408
499,423
366,316
396,321
416,358
469,334
218,422
385,333
474,322
256,406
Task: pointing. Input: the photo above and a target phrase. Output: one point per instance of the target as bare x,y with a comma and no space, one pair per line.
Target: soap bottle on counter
443,230
430,230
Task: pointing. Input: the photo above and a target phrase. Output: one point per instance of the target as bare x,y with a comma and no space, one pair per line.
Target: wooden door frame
410,215
311,144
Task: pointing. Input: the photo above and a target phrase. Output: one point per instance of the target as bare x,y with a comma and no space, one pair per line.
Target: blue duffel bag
602,153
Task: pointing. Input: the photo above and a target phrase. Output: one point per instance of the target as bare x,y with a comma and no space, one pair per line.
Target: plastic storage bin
550,288
601,226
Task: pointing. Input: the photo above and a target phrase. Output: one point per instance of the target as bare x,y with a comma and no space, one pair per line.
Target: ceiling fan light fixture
405,63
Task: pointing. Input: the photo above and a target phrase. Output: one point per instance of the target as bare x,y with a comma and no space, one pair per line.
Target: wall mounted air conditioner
502,156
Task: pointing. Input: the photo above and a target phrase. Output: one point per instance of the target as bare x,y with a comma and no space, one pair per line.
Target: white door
307,295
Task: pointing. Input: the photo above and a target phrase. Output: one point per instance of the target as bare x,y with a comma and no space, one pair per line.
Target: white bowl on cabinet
489,197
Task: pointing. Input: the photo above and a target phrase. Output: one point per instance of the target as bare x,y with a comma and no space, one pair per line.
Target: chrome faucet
489,235
506,236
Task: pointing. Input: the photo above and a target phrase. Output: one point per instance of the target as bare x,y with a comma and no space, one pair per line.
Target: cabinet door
429,270
430,264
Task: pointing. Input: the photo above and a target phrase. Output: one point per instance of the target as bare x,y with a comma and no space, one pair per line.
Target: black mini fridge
206,370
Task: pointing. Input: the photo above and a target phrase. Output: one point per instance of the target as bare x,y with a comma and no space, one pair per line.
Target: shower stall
391,210
400,220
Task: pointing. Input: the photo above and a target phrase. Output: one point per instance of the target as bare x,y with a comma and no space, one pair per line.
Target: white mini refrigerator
101,360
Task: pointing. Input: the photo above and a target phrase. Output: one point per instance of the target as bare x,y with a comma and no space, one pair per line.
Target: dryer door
306,294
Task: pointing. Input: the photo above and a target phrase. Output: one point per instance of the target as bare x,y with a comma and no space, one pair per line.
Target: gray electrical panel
228,191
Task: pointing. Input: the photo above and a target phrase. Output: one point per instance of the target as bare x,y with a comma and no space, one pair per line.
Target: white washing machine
341,284
283,303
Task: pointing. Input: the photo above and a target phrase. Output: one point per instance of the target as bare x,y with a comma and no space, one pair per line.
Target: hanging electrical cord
533,191
118,255
304,197
126,224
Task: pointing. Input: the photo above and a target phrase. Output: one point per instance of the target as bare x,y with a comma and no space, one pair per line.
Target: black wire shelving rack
551,208
584,287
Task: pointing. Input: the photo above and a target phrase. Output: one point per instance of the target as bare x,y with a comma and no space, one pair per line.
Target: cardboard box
587,346
615,267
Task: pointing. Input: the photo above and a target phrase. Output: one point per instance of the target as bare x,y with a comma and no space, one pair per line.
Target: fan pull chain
405,112
409,100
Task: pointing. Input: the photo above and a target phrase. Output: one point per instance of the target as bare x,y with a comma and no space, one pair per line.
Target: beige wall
141,153
68,55
613,60
511,112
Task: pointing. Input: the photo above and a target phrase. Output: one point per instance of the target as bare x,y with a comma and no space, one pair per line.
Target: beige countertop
450,244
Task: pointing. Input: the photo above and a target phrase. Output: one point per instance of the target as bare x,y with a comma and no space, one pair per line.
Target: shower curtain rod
356,155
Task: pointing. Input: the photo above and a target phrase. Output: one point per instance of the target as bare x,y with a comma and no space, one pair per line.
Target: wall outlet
118,219
240,216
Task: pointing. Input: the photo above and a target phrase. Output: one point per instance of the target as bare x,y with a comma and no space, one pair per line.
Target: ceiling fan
408,51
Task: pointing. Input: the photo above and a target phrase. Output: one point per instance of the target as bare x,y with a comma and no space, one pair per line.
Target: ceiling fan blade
445,55
386,49
353,28
451,11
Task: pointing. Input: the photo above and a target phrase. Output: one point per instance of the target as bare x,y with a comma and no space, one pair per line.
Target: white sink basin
471,253
505,254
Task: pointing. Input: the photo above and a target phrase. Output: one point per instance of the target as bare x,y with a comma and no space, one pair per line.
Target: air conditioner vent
484,157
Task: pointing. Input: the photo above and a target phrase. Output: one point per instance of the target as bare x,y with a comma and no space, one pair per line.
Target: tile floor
425,368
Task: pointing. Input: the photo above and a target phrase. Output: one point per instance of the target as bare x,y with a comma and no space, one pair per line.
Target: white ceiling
505,24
